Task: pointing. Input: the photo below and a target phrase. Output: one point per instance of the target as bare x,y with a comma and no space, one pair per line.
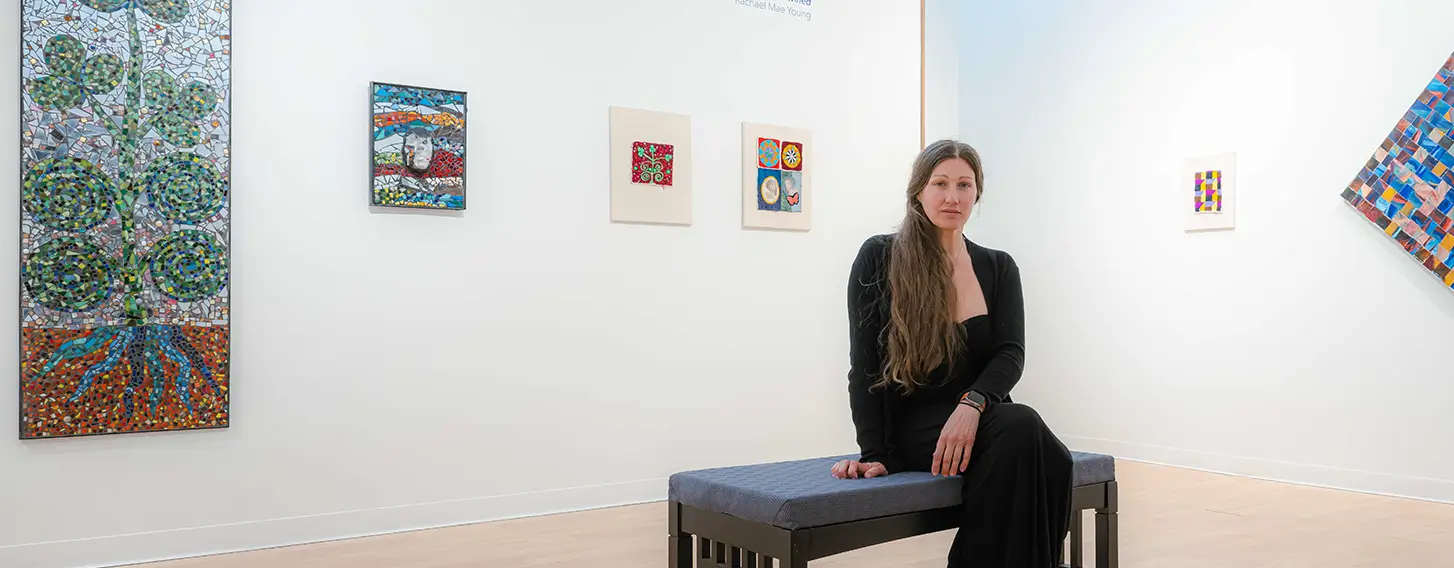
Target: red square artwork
651,163
792,156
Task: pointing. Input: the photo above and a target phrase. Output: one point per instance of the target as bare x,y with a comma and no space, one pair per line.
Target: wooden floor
1170,518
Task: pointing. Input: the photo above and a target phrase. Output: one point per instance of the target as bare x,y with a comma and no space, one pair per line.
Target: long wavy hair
922,331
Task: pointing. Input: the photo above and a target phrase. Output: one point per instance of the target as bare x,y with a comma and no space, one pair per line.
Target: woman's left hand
951,457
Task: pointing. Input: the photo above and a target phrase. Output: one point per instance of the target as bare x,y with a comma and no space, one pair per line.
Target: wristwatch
975,399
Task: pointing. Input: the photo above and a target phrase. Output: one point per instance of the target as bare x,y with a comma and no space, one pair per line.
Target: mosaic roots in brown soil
47,411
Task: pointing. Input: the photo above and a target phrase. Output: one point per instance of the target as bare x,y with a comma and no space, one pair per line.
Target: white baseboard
1392,485
123,549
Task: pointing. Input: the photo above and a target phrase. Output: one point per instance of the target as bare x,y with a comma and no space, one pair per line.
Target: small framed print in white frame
1206,192
651,167
777,177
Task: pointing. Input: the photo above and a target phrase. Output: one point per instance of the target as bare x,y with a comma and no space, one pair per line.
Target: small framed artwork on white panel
1206,192
777,177
651,167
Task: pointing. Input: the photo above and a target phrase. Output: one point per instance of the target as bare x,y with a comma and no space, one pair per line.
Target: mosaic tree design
125,216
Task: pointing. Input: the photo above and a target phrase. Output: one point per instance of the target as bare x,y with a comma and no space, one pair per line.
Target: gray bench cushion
803,493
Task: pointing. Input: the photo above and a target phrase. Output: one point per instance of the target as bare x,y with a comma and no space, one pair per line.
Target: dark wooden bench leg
681,551
797,556
679,544
1077,540
1107,539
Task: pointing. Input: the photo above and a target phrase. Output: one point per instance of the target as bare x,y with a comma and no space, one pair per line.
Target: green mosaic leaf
177,130
161,92
184,187
70,274
196,100
175,110
103,73
64,56
169,11
106,5
67,194
56,93
188,265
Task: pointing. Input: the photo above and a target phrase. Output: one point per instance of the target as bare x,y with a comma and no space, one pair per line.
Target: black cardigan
868,316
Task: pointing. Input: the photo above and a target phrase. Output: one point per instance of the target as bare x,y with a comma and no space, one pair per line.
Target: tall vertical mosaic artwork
1407,187
125,216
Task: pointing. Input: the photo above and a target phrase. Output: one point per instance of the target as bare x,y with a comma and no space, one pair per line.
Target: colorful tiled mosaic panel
779,175
1207,192
651,163
125,216
418,148
1407,187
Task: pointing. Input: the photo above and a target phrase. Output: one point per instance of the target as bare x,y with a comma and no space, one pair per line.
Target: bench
796,512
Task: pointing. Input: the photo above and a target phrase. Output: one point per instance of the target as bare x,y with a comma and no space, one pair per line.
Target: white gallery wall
941,68
1304,345
399,370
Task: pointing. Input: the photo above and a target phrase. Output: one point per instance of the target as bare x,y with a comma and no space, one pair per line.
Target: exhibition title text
794,8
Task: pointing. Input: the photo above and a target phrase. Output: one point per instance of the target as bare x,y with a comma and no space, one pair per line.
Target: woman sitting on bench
937,335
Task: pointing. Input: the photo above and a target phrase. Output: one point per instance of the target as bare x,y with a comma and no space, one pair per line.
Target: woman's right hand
850,469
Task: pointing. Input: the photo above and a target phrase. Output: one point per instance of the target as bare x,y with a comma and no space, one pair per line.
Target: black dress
1018,484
